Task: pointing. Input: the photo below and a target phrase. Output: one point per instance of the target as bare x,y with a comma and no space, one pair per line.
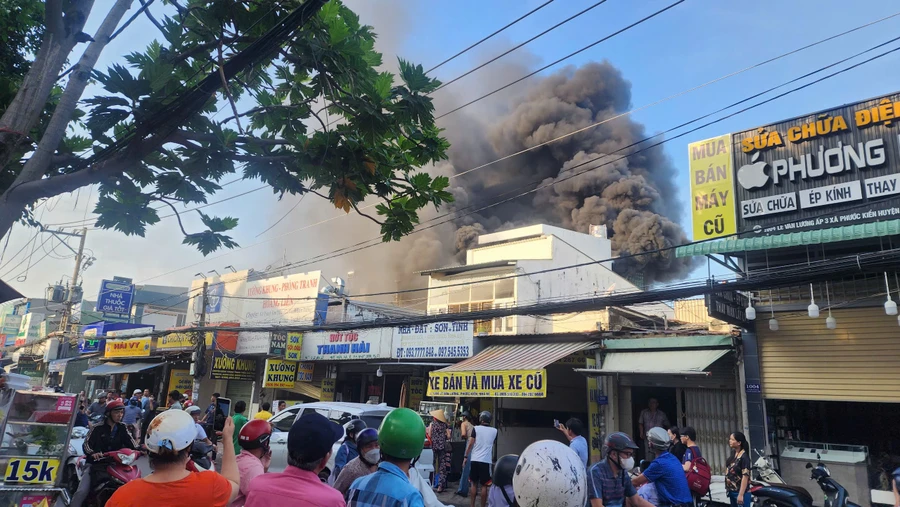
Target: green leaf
127,214
383,84
208,242
218,224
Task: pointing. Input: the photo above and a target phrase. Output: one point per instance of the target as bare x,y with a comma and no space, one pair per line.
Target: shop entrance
640,398
393,384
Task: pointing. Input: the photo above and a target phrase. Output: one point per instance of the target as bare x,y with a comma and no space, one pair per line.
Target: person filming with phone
574,431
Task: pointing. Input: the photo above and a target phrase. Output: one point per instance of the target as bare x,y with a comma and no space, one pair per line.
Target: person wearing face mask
364,464
665,473
608,483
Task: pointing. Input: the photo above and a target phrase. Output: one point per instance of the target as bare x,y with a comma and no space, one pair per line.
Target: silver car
341,413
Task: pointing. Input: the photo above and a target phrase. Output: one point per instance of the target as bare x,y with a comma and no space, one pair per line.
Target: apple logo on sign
753,175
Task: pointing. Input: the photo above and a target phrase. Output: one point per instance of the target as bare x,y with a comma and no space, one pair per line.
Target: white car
341,413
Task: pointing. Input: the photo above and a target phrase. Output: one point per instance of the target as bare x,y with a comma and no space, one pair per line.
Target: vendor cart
35,426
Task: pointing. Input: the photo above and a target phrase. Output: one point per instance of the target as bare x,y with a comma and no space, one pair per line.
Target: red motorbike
120,469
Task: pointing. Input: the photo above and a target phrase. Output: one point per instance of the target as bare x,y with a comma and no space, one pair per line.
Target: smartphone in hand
556,423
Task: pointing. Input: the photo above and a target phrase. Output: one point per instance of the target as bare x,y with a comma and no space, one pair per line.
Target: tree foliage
318,117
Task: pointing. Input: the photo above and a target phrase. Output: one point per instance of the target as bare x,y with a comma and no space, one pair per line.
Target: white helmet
550,473
193,408
172,430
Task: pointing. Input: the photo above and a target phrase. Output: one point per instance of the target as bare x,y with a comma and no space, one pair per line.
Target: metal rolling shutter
239,390
855,362
715,414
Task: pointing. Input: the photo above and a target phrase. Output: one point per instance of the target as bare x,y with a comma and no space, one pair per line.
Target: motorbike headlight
126,459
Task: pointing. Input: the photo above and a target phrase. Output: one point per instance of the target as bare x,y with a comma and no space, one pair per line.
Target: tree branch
221,64
37,165
54,18
206,46
262,158
146,3
177,214
131,19
211,138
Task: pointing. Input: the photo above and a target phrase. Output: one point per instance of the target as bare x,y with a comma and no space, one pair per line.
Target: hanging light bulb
379,373
890,307
773,322
813,308
830,322
750,312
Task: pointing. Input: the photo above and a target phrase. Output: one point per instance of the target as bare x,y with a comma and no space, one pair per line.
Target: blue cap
312,436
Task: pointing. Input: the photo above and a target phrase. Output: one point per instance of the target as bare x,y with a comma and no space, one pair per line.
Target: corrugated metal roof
845,233
519,356
118,368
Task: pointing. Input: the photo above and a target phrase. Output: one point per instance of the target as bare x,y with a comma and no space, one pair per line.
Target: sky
695,42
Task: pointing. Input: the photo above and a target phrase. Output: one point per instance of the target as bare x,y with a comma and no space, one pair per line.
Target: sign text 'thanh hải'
489,384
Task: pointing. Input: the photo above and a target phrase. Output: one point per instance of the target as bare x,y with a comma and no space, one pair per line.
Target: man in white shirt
481,450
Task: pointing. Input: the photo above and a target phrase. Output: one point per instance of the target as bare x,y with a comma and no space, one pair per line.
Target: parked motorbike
783,495
765,472
120,469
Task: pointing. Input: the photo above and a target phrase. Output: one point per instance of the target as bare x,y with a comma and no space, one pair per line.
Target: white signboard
130,332
441,340
281,299
224,293
343,345
769,205
883,185
253,342
831,194
30,328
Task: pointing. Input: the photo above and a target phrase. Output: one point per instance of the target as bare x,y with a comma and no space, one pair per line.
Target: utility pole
200,348
73,283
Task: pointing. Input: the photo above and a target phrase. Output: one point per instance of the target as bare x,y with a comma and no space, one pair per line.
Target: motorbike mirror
809,465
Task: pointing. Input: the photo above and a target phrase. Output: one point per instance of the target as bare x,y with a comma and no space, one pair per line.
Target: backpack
699,475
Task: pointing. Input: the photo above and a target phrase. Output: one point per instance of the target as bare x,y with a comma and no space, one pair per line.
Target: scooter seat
785,495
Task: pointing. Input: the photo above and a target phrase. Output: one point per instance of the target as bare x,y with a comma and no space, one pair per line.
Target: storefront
831,388
694,379
351,358
517,380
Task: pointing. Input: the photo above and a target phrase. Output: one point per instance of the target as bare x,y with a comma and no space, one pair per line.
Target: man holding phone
574,432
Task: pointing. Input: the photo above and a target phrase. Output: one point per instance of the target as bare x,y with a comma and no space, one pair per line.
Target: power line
508,51
570,55
520,18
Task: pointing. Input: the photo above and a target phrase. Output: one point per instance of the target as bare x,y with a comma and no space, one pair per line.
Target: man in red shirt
309,447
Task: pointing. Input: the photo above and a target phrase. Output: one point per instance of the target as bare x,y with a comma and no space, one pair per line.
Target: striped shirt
387,487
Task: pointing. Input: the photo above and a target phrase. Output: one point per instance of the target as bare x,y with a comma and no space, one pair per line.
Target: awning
118,369
834,234
503,371
307,389
681,362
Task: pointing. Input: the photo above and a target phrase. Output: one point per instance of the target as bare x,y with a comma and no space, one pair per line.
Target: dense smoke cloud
635,197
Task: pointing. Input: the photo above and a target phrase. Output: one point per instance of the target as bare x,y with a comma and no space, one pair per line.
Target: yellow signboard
489,384
280,374
713,209
305,371
181,380
416,392
294,344
175,341
327,389
31,471
135,347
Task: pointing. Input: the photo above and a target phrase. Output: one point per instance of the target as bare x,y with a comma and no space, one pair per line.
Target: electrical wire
473,46
570,55
517,46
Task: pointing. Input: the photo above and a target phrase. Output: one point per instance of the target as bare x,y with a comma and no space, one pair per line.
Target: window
459,294
284,421
482,292
504,288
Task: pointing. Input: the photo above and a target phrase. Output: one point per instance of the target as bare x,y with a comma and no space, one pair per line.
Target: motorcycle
782,495
200,457
120,470
766,474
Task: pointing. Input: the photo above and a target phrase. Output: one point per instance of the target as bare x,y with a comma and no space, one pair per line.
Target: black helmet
484,417
619,442
366,437
504,470
355,426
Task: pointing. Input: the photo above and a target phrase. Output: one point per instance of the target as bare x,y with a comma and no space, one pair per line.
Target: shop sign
181,380
65,404
752,388
294,346
416,392
305,372
281,299
115,297
135,331
277,343
37,500
224,293
253,342
344,345
175,341
31,471
595,413
229,367
29,367
58,365
489,384
134,347
712,188
578,359
830,169
280,374
440,340
327,389
10,329
90,345
30,329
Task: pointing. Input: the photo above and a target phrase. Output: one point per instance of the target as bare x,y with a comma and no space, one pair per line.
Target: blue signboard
115,297
753,388
214,298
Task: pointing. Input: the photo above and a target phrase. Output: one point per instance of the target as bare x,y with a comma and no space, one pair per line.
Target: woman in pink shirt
255,455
